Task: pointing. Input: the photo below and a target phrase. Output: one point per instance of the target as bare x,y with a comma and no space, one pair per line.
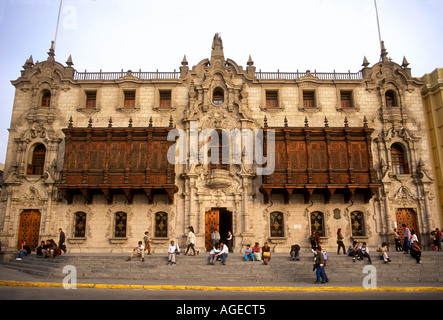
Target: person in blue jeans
223,252
24,250
319,264
407,240
248,253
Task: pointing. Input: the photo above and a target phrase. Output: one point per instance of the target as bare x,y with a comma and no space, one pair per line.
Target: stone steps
280,269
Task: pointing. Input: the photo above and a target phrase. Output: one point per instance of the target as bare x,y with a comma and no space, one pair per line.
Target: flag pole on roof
58,21
378,24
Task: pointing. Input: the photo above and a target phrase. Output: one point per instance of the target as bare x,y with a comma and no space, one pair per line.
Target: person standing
407,239
61,240
147,239
397,241
230,241
438,236
215,237
191,241
319,264
340,242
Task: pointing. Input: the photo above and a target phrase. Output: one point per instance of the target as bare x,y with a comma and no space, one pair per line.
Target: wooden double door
219,219
29,228
408,217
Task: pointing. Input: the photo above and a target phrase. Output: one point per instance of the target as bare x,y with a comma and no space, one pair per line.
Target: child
248,253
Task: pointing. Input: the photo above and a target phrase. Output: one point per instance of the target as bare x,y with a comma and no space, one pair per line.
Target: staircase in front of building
281,269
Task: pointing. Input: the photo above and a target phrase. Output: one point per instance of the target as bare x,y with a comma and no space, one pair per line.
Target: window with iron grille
161,225
357,223
79,225
317,223
120,223
277,224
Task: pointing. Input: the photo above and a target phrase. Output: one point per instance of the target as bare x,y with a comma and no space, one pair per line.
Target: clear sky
322,35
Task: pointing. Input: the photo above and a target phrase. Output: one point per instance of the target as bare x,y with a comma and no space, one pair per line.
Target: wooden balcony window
218,96
390,99
38,160
46,99
271,99
398,158
91,98
308,99
129,99
165,99
346,99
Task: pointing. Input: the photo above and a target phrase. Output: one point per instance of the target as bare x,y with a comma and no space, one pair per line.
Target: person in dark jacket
61,240
319,264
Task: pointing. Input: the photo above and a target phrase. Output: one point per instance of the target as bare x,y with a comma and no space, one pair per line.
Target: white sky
111,35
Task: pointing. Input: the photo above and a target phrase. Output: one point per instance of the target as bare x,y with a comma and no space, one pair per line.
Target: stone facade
217,94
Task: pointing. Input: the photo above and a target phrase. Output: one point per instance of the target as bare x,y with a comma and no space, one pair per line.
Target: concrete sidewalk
10,277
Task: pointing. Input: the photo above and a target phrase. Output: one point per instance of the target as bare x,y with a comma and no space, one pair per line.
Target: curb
214,288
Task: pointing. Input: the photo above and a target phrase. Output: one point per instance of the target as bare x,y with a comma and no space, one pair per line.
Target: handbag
266,254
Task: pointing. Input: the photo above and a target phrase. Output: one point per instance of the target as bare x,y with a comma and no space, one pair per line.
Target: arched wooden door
29,228
408,217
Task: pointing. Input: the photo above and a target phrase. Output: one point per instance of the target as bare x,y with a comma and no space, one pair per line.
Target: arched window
317,223
357,223
218,96
38,160
277,224
46,99
391,101
161,225
398,158
79,225
120,223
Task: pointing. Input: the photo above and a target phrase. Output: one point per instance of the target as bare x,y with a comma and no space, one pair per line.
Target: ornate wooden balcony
111,160
321,160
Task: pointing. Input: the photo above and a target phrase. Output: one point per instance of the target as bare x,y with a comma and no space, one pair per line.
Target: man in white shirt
172,251
364,252
139,251
223,252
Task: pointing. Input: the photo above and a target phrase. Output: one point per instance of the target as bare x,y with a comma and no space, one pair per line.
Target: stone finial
150,122
326,123
365,122
130,123
184,61
346,122
184,69
384,53
306,122
405,63
51,52
90,123
286,122
171,122
265,122
70,124
365,62
250,62
110,122
69,62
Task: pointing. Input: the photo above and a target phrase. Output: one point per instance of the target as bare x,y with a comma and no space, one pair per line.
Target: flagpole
378,23
58,21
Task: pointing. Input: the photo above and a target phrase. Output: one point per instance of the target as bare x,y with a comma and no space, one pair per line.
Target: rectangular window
91,98
271,99
165,99
129,99
346,99
308,99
